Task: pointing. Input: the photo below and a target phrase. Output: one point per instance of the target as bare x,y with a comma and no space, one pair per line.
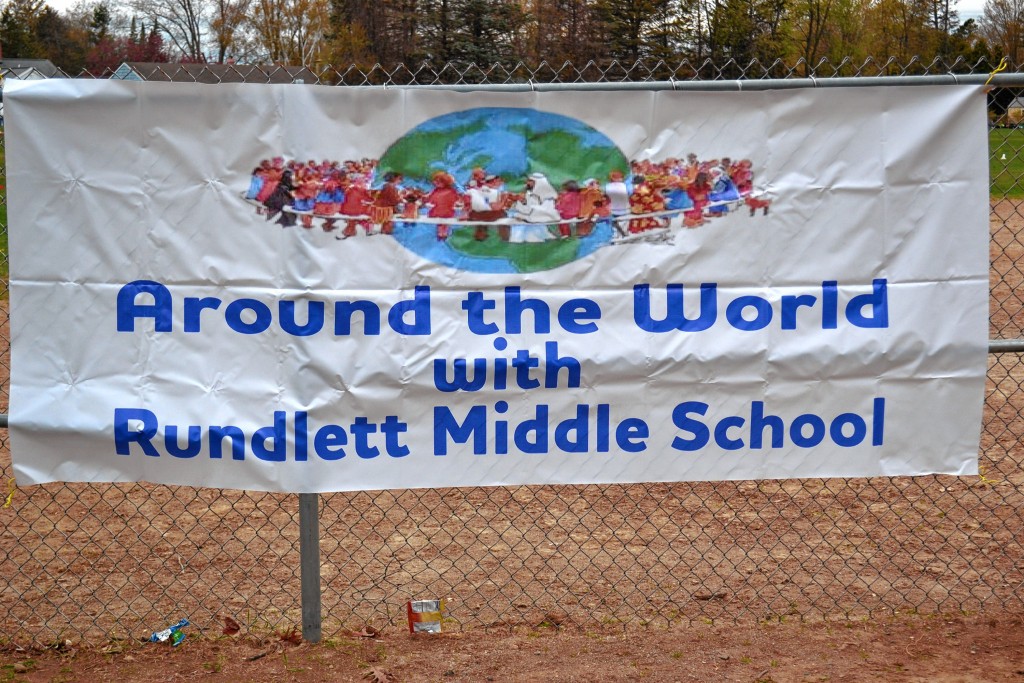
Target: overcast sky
970,8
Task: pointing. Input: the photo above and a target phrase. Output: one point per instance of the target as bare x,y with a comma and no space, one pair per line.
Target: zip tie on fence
1002,67
11,488
982,479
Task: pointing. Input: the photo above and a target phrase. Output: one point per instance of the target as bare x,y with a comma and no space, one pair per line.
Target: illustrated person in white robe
537,208
618,193
485,205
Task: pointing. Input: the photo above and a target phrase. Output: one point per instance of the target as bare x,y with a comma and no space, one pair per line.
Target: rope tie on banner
10,493
1001,67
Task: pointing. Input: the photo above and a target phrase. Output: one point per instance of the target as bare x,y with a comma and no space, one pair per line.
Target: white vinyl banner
301,288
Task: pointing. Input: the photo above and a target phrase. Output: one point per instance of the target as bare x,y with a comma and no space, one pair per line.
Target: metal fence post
309,561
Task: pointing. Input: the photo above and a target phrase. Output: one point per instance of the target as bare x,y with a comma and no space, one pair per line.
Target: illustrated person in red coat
700,193
443,201
385,202
356,203
272,176
593,207
569,205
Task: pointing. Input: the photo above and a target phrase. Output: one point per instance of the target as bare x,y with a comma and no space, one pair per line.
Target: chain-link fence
98,561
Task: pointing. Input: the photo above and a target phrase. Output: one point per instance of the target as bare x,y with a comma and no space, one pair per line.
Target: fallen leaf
231,627
292,635
378,675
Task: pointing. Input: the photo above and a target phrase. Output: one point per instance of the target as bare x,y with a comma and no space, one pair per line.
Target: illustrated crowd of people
652,196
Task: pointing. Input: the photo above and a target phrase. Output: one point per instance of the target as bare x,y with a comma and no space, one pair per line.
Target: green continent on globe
417,154
562,155
526,257
510,143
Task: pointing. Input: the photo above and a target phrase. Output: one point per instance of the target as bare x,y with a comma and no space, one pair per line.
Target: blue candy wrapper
174,634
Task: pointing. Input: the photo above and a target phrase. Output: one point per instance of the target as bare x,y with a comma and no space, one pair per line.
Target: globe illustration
509,144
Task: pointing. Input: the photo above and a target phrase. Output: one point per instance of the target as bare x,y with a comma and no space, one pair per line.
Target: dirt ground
1006,253
934,649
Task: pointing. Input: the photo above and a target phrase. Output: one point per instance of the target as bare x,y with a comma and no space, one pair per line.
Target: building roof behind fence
20,67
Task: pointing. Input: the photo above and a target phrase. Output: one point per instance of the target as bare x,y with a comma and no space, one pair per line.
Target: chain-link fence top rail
612,71
97,561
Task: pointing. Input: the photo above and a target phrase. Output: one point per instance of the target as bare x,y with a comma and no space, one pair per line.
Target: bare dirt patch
940,650
1006,254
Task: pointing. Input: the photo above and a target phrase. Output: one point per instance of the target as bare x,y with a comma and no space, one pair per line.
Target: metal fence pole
309,561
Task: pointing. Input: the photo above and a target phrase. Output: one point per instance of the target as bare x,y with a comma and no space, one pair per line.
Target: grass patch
1006,174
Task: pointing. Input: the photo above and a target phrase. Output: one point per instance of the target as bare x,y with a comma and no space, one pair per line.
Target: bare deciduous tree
185,22
1002,25
290,31
228,21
